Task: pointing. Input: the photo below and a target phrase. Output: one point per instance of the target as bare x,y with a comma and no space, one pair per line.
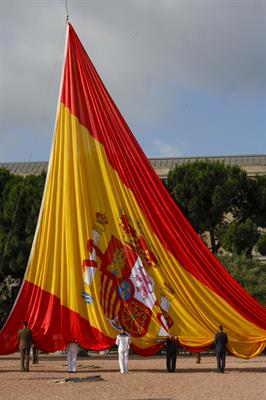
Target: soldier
198,358
123,342
220,348
35,354
171,350
72,352
25,339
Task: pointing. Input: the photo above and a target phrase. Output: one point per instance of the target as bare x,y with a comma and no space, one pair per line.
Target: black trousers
35,355
220,357
171,361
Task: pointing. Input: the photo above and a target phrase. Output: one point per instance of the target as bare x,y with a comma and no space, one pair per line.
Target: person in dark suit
221,341
35,354
171,350
25,340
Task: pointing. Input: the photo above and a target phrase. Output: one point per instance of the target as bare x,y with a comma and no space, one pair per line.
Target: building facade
253,164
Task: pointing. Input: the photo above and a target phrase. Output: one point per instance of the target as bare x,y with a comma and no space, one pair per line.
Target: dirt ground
98,377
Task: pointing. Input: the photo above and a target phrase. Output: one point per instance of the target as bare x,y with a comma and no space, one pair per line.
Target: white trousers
123,361
72,352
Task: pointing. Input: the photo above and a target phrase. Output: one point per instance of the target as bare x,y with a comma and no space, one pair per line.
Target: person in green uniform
25,340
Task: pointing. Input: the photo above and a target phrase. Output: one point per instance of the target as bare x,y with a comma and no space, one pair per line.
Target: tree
250,273
5,177
239,237
21,199
259,209
261,245
19,208
8,291
207,192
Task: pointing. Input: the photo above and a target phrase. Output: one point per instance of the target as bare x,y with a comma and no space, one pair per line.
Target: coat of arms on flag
127,288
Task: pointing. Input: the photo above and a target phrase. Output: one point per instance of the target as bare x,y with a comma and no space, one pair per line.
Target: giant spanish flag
111,247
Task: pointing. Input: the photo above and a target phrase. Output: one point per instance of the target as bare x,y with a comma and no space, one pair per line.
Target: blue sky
188,76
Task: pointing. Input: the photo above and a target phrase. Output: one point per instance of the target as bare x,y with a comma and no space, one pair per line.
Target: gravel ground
98,377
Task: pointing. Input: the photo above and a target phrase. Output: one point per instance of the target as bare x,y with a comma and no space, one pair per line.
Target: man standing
171,350
123,342
35,354
220,348
72,352
25,339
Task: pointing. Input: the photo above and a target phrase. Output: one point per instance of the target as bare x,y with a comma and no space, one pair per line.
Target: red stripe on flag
89,263
53,326
85,95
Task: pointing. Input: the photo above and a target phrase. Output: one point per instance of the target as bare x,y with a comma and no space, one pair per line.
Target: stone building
253,164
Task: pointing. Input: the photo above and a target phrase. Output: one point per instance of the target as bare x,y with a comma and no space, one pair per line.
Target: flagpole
67,14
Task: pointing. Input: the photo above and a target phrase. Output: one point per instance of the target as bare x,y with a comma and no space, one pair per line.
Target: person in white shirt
123,342
72,352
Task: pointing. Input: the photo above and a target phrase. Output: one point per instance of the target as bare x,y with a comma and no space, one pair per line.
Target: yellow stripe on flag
81,183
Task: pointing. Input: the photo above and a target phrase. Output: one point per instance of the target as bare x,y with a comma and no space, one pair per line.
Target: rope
22,187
